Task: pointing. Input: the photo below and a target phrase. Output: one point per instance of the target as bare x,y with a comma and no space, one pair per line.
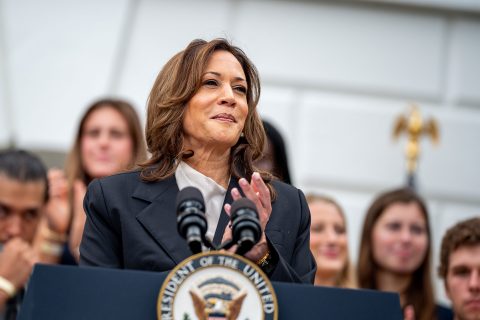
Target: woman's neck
393,282
212,164
326,279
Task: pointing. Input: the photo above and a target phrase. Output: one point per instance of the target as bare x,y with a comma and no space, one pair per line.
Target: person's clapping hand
258,192
58,208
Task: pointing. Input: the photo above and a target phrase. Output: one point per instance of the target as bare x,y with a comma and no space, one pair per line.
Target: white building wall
334,74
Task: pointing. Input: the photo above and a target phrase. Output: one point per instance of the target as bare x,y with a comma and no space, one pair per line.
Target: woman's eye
394,226
241,89
117,134
417,230
317,228
210,82
339,229
92,133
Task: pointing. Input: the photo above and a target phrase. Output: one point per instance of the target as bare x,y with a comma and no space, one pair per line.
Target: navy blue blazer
131,224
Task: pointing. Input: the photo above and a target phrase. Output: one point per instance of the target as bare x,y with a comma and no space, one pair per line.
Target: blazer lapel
224,218
159,218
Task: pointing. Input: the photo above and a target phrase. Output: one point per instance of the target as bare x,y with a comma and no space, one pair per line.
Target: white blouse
213,193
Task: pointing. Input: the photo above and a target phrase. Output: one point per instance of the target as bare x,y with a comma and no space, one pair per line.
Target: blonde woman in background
109,140
329,243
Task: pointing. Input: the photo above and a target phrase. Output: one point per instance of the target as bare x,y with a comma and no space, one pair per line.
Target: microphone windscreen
189,194
243,203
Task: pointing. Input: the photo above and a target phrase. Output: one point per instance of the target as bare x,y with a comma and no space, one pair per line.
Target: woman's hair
347,277
279,161
419,292
74,166
176,84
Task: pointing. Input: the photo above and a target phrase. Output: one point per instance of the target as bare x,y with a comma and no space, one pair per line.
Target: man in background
460,268
23,194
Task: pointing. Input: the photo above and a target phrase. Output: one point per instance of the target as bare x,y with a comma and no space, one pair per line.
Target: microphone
191,220
246,230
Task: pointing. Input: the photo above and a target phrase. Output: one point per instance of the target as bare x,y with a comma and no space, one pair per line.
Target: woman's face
216,114
399,238
328,238
106,145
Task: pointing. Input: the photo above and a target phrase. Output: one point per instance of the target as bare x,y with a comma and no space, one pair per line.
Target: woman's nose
332,236
405,235
103,139
227,97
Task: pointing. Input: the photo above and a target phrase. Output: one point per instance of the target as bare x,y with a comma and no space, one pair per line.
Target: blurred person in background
329,243
109,140
23,195
274,158
395,253
460,268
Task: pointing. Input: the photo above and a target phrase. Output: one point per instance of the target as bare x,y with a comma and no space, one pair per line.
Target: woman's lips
224,117
403,253
103,158
332,254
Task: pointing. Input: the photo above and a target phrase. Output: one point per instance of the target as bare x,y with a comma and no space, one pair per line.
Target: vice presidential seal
216,286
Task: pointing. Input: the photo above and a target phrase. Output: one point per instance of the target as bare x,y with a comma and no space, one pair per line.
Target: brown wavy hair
347,277
74,168
176,84
419,293
464,233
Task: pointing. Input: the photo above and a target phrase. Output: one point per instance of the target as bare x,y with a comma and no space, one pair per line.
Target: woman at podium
202,130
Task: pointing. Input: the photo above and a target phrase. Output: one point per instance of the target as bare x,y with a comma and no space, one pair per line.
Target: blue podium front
66,292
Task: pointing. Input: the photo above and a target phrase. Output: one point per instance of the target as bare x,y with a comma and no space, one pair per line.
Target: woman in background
395,252
109,140
329,243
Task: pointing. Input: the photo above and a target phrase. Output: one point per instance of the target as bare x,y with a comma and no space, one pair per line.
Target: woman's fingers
262,191
258,192
235,194
250,193
227,208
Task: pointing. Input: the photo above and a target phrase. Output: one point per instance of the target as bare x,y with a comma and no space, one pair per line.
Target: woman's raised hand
258,192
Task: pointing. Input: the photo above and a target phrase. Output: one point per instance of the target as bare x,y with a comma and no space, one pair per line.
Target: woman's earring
242,135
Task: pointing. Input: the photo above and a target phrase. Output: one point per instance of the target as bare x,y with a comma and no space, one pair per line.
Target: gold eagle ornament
414,126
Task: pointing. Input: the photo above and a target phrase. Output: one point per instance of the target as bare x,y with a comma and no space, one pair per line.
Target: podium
69,292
